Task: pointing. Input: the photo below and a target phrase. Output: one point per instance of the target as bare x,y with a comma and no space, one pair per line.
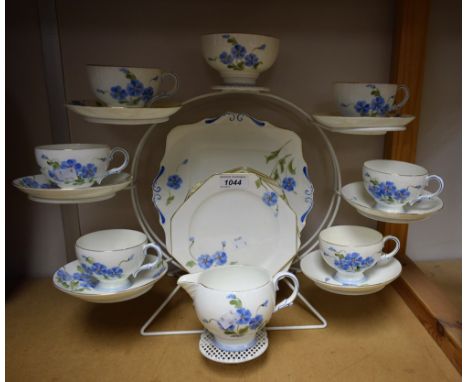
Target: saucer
94,112
362,125
321,274
72,280
356,195
240,88
40,189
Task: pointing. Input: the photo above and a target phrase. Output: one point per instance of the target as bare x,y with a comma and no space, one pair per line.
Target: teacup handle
119,169
159,258
405,97
169,92
288,301
387,256
439,180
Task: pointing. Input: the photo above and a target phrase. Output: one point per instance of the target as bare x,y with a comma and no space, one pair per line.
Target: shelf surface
51,336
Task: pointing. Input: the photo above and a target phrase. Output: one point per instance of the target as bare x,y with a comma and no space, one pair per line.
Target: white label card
233,181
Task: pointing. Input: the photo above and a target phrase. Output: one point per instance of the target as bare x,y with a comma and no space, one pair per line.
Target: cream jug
234,302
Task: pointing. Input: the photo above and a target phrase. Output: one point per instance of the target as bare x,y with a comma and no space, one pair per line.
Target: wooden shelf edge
428,303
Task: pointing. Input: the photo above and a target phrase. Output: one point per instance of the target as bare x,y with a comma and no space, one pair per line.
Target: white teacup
352,250
368,100
395,185
112,256
239,57
129,87
78,165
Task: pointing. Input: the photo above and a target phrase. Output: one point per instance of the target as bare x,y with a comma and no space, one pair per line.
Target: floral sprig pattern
238,321
387,191
133,92
378,106
174,182
93,268
78,281
73,172
351,262
237,58
30,182
283,167
205,260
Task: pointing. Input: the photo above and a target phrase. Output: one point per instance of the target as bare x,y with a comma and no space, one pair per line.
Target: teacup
396,185
239,57
352,250
368,100
234,302
129,87
112,256
78,165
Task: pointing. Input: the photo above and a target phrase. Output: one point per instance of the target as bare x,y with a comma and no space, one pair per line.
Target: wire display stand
307,247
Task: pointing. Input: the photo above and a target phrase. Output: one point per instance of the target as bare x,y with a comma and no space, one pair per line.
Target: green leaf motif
229,332
291,168
232,40
243,330
236,303
169,200
258,182
190,263
275,175
130,76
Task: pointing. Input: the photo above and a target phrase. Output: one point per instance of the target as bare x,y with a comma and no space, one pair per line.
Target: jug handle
288,301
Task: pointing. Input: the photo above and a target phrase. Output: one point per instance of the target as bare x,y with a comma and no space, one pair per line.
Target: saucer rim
317,253
110,293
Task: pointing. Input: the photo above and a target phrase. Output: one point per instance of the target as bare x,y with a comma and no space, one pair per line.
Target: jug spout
190,283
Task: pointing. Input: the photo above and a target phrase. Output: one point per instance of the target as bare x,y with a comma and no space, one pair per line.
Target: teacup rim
241,34
414,165
363,83
73,146
123,66
354,245
77,245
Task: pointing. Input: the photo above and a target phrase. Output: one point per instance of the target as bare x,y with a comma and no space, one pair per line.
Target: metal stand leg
143,331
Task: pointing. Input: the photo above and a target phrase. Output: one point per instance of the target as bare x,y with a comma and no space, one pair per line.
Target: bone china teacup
113,255
78,165
395,185
234,302
129,87
368,100
352,250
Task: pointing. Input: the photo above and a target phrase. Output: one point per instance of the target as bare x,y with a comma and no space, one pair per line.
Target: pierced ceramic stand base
314,311
209,349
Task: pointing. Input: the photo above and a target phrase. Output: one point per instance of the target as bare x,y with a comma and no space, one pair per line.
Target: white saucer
240,88
83,287
362,125
356,195
315,268
40,189
91,111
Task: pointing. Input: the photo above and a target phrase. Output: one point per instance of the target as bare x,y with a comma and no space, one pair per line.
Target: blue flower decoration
63,275
225,58
98,268
205,261
362,107
270,198
174,181
353,262
402,194
147,94
238,51
88,171
135,88
255,322
251,60
219,257
118,93
288,183
243,316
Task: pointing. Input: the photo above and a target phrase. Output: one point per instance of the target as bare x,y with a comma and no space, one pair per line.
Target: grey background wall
321,42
